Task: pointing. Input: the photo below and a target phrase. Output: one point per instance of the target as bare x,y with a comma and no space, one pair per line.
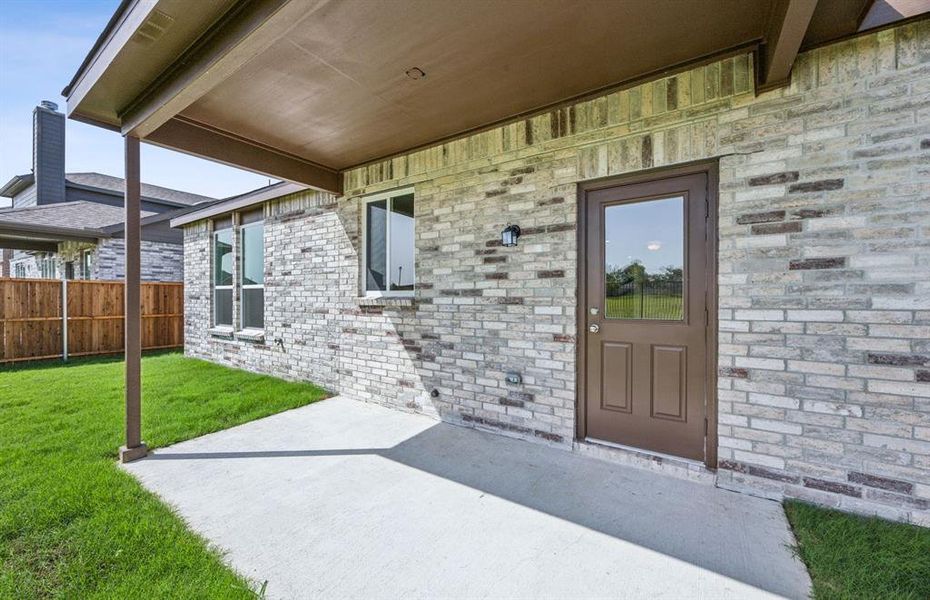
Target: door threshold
676,466
653,453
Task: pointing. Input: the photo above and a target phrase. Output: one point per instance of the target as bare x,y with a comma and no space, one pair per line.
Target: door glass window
644,259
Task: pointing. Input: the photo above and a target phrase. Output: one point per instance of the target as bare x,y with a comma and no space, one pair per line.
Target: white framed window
223,273
252,263
388,244
20,270
86,263
48,267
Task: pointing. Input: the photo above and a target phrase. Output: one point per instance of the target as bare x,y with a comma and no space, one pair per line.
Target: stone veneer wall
71,252
824,260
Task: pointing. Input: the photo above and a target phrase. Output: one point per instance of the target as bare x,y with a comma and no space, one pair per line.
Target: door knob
594,328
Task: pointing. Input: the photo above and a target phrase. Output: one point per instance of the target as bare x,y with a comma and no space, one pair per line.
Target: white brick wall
824,221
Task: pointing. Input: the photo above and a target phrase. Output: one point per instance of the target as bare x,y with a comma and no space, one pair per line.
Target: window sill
251,335
221,331
398,301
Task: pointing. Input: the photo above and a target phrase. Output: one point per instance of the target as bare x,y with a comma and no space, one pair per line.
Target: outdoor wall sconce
509,235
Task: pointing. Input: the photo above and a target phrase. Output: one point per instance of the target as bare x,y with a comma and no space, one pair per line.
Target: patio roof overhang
27,236
304,89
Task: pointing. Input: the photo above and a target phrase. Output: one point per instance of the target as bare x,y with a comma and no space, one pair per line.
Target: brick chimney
48,152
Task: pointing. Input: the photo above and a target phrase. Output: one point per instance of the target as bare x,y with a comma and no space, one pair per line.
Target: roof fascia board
187,136
134,14
50,232
236,203
241,34
108,29
12,243
108,192
16,184
144,222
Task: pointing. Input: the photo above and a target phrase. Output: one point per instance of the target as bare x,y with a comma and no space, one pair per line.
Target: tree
636,273
668,275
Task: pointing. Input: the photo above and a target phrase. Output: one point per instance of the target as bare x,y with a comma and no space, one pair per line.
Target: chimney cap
49,105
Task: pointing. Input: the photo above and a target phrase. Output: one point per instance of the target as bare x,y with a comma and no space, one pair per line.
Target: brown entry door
646,321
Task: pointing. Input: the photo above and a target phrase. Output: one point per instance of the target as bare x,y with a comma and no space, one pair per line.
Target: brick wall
824,205
161,261
48,154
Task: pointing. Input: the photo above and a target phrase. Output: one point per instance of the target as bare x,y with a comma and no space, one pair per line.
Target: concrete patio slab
352,500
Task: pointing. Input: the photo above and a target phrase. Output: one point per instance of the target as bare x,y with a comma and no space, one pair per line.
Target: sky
42,43
651,232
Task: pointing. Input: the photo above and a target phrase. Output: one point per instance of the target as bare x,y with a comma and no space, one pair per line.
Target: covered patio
770,124
347,499
309,91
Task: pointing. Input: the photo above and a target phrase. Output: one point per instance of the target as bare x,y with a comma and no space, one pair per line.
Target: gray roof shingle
156,192
111,184
73,215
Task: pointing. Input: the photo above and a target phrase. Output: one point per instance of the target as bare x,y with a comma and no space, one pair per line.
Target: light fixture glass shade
509,235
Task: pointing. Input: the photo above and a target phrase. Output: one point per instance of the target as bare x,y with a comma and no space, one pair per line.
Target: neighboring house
5,256
722,263
70,225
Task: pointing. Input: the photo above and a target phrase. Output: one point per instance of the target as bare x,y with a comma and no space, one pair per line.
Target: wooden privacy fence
33,325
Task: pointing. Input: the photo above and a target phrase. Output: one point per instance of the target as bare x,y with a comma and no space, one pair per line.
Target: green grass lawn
649,306
857,557
74,525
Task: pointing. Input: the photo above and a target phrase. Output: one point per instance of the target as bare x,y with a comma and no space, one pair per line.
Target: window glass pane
85,265
376,242
253,255
222,300
402,243
253,308
222,257
48,267
644,259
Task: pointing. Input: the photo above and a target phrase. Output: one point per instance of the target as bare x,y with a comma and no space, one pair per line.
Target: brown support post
134,447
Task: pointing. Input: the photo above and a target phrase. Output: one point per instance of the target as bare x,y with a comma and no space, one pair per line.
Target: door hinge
705,425
706,208
706,317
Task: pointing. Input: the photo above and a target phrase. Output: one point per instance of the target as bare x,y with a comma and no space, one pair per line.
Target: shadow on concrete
736,536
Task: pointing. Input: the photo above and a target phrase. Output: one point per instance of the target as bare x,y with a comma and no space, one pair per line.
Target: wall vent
153,28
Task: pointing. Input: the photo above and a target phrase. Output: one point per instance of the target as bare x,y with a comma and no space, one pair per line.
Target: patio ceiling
303,89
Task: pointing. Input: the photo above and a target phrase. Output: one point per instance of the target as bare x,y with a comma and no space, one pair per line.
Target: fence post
64,319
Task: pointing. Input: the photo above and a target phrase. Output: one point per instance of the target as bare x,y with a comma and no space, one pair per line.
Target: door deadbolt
594,328
593,310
